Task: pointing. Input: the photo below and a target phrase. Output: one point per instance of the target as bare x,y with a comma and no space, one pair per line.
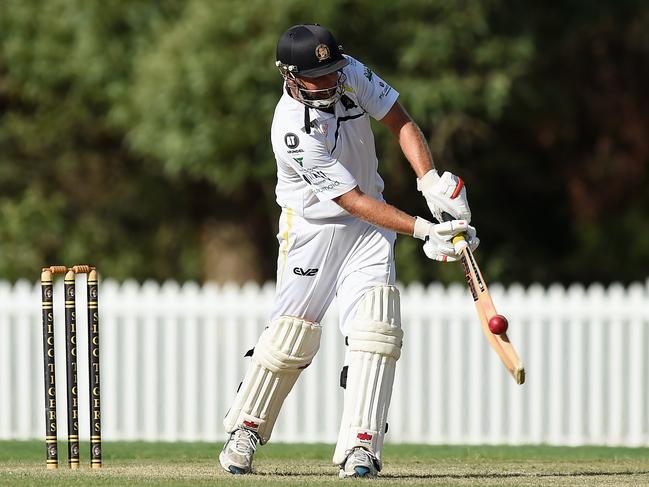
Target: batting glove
438,238
445,194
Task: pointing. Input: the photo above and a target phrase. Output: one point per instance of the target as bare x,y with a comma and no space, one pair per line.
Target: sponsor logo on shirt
291,140
386,90
315,173
298,160
328,187
318,179
304,272
368,73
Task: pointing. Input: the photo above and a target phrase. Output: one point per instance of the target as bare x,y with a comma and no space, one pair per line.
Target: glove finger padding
439,240
445,194
452,227
441,253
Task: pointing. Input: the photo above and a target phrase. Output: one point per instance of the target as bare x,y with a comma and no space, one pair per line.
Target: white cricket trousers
322,259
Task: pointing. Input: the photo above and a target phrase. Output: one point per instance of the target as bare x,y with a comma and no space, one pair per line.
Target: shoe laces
365,456
244,442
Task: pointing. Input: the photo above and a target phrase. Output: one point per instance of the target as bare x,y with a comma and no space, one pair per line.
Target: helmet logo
322,52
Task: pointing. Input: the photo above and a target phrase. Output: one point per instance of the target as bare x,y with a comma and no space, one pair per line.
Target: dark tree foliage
135,135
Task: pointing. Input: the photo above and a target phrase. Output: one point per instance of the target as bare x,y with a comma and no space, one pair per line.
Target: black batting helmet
309,50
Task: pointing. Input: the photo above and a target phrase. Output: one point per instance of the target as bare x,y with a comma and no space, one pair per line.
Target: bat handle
447,217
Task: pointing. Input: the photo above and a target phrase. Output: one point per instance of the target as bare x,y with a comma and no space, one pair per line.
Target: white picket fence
172,357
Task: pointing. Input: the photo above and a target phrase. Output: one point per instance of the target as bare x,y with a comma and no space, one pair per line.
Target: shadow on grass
476,475
514,475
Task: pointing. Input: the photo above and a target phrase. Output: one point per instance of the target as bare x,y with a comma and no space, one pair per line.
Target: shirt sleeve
375,96
326,176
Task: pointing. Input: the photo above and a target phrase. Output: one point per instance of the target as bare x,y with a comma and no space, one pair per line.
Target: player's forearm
376,212
412,141
415,148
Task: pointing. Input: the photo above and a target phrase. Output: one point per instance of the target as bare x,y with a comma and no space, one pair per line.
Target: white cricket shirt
338,154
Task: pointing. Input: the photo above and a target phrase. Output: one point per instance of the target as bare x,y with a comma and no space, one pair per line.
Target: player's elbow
350,200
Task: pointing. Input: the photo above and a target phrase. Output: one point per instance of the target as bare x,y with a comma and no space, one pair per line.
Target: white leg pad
374,341
284,349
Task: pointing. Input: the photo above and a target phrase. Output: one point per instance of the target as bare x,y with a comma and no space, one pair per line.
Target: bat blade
486,310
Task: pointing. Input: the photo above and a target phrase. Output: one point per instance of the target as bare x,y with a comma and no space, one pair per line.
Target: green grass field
22,464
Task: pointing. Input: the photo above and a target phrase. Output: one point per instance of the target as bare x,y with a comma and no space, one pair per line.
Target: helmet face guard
316,98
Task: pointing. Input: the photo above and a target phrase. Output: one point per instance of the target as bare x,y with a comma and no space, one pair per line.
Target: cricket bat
486,310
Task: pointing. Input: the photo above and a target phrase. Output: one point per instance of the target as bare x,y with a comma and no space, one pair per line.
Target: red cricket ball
498,324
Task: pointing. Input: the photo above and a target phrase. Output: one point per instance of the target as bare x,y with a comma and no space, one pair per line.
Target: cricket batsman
336,239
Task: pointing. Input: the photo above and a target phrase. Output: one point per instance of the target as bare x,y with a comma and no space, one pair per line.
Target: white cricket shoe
236,456
359,463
